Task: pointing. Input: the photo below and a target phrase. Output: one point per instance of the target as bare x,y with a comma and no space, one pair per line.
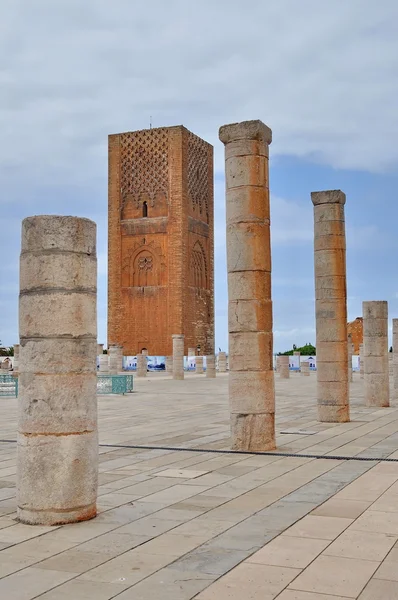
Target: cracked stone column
199,365
395,356
57,459
142,365
284,372
15,362
222,362
178,357
211,366
350,351
169,364
361,361
305,368
251,373
331,306
375,348
103,364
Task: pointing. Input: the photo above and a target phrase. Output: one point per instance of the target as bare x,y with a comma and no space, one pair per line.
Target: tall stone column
284,372
361,361
331,306
211,366
169,364
222,362
251,374
57,460
199,365
350,351
103,364
178,357
375,347
15,362
395,356
142,365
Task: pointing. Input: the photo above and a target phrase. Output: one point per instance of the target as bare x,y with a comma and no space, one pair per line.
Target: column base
329,413
253,432
56,517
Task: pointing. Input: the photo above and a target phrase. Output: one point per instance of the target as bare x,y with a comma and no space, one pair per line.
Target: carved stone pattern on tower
198,267
198,177
144,165
143,265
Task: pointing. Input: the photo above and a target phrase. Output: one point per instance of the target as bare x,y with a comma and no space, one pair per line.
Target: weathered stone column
375,348
142,365
103,363
115,359
350,351
169,364
390,364
191,351
305,368
199,365
100,349
222,362
331,306
284,372
178,356
211,366
395,356
299,360
57,462
251,374
15,362
361,361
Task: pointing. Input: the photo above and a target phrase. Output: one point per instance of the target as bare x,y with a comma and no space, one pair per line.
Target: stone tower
161,241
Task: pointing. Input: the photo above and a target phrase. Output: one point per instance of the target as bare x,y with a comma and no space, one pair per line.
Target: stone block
250,315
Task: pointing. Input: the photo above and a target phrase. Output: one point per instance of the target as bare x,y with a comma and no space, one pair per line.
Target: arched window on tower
144,209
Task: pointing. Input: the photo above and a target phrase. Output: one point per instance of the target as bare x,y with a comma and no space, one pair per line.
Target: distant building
355,328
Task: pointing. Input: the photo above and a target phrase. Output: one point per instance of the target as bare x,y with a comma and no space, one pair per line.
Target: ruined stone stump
305,368
115,359
199,365
331,306
375,347
142,365
251,374
169,364
178,357
191,351
211,366
395,356
15,362
100,349
284,372
222,362
57,460
103,363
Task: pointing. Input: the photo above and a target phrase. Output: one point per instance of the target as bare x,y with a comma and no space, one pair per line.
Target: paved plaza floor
183,518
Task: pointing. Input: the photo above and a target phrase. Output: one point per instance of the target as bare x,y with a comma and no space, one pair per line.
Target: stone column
361,361
100,349
331,306
103,363
305,368
299,360
350,351
178,357
395,356
390,364
169,364
57,459
284,372
375,348
251,374
115,354
211,366
15,362
191,351
222,362
142,365
199,365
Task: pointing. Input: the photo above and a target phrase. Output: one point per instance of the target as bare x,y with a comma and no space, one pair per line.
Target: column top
245,130
328,197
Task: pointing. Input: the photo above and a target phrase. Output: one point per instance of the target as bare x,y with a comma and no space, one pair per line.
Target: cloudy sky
323,75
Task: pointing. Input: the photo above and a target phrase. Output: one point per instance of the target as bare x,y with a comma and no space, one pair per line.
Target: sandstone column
284,372
251,374
305,368
178,356
350,351
299,360
390,364
222,362
211,366
169,364
361,361
331,306
115,359
142,365
100,349
57,462
395,356
15,362
103,364
375,348
191,351
199,364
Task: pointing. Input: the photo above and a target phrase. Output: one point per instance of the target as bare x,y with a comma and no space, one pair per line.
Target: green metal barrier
114,384
8,386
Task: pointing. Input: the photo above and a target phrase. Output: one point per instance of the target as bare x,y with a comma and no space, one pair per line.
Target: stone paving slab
177,524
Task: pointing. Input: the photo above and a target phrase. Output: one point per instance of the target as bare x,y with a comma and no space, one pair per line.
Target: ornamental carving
198,267
143,265
198,175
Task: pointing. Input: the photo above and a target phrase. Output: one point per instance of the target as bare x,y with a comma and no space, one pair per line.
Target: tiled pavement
182,524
